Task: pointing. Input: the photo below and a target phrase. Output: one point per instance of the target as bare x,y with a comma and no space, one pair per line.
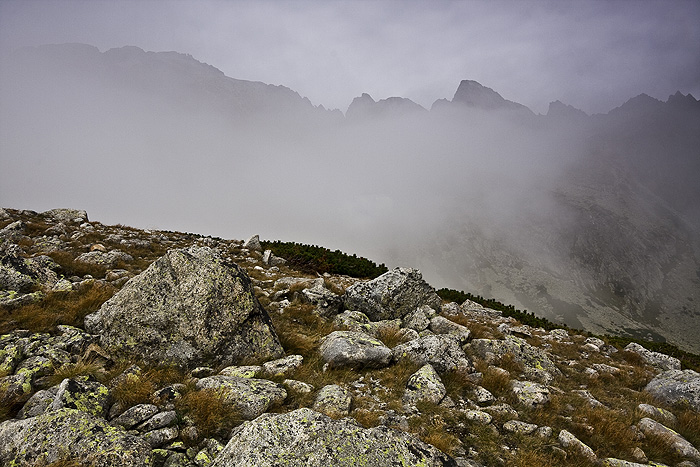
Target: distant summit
558,109
472,94
365,106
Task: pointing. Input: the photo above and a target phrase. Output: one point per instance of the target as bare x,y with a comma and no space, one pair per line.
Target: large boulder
69,435
656,359
677,387
191,307
392,295
307,438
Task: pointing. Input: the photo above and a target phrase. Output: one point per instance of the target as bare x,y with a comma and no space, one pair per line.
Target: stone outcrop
250,396
191,307
69,434
441,351
305,437
391,295
676,386
355,350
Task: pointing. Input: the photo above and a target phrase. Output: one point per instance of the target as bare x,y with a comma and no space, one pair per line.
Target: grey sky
591,54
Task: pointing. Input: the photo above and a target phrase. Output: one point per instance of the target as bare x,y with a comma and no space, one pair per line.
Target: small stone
135,415
516,426
569,441
247,371
158,421
160,437
478,416
283,366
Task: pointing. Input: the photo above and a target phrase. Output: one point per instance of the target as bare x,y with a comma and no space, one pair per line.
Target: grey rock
161,436
72,434
298,386
12,232
675,441
272,260
442,352
354,349
245,371
190,307
660,415
483,396
478,416
416,320
530,394
282,366
655,359
306,438
333,400
15,388
21,274
326,302
569,441
676,386
38,403
391,295
516,426
425,385
442,325
536,362
135,415
253,243
82,393
612,462
251,397
67,215
158,421
108,259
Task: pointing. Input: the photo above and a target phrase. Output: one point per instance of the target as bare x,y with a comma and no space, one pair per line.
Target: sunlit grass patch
209,410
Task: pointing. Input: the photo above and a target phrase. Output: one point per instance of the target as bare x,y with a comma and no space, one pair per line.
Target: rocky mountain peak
472,94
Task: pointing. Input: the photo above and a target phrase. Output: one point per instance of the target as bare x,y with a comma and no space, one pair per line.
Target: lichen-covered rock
82,393
569,441
675,441
253,243
38,403
424,385
516,426
441,351
478,416
244,371
108,259
282,366
305,438
21,274
658,414
69,434
135,415
391,295
191,307
657,359
536,362
416,320
158,421
676,386
67,215
530,393
251,397
442,325
333,400
354,349
326,302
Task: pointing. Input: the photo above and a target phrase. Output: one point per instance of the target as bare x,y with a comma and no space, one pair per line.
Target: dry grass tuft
71,267
211,413
71,370
55,308
391,337
138,388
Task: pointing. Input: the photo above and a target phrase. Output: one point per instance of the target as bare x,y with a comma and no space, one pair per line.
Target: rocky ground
122,346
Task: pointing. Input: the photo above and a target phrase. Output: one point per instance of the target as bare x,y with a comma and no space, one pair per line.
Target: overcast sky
591,54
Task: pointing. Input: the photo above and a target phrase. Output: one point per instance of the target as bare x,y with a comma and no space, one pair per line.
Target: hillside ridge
315,368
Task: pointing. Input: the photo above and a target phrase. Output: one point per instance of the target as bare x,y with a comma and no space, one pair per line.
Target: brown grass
55,308
210,411
71,267
71,370
495,381
391,337
138,388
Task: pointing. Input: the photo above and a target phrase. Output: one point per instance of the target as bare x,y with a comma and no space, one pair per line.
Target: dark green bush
316,259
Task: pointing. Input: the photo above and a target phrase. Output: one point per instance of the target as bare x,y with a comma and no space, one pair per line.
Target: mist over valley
590,220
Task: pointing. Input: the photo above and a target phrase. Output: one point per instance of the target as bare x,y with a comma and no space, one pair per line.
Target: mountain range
590,220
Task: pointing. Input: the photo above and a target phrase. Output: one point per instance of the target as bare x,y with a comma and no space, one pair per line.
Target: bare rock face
308,438
191,307
392,295
676,386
